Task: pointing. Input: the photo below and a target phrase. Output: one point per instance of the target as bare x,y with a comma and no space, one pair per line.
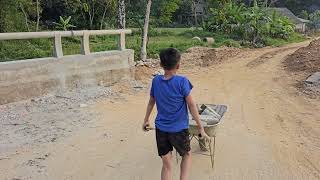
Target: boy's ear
178,66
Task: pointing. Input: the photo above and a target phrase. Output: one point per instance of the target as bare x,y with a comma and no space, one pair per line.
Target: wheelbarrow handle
148,128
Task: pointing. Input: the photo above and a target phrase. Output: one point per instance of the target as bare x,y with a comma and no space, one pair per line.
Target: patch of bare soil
266,57
204,57
193,59
142,72
303,63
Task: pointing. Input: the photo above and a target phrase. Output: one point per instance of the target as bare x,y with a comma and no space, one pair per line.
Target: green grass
295,38
160,38
25,49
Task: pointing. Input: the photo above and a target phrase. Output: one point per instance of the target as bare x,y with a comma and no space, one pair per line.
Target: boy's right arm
149,110
195,114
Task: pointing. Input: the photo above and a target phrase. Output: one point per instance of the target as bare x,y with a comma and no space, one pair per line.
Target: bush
279,26
231,43
315,19
295,37
250,24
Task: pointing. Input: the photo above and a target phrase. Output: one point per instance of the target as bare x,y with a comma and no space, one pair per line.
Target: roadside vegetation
231,23
180,38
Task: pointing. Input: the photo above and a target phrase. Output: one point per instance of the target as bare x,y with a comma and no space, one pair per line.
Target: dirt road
269,131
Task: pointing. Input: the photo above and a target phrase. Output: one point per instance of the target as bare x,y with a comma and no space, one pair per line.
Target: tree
108,5
195,13
315,19
121,14
26,18
11,16
135,14
38,14
143,53
164,10
89,7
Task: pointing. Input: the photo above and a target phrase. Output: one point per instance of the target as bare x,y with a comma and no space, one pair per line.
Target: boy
171,93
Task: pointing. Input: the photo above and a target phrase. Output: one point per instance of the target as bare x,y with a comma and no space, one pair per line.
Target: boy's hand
203,134
145,125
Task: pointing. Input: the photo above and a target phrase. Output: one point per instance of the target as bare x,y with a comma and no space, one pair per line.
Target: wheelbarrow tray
211,130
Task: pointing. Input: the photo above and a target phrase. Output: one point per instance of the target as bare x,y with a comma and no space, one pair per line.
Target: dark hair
169,58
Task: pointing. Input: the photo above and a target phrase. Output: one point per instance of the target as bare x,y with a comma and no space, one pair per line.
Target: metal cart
211,130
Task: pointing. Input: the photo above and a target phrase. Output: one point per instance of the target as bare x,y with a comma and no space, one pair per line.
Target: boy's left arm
148,112
194,112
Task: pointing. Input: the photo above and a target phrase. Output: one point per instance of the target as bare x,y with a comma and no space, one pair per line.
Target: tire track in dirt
265,57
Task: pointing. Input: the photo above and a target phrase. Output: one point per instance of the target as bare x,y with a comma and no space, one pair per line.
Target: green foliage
249,24
164,10
180,38
304,14
25,49
13,50
153,32
315,19
227,18
198,33
294,38
279,26
167,8
252,28
231,43
12,18
64,24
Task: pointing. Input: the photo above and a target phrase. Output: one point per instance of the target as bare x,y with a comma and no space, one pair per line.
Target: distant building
299,23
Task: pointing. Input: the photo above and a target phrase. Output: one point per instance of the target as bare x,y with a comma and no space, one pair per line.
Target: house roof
286,12
304,20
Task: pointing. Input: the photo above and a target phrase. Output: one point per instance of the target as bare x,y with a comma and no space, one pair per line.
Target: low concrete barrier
25,79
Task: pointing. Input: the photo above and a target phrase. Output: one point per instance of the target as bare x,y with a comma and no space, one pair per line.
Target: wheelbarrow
211,116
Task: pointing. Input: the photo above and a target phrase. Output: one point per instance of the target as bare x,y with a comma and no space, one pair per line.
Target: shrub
279,27
232,43
250,24
315,19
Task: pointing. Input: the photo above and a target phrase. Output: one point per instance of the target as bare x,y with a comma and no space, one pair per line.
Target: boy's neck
169,73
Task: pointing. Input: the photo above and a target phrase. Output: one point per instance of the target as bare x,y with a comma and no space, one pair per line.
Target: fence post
85,43
58,52
122,41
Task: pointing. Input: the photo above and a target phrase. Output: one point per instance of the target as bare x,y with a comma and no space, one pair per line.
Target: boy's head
170,59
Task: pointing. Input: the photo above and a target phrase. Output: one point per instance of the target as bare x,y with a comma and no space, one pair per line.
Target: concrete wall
301,27
25,79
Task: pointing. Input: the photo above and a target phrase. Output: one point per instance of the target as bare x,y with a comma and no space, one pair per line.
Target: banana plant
64,24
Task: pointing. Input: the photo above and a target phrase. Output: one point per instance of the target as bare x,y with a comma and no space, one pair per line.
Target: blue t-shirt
171,103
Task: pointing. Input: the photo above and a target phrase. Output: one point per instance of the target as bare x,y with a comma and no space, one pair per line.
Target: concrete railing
23,79
57,35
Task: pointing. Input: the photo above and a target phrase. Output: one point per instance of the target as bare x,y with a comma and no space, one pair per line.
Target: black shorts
179,140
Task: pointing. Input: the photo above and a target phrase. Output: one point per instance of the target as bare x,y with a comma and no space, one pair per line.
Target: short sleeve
186,87
152,89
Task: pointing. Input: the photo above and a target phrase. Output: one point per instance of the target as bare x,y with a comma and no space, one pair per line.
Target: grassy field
180,38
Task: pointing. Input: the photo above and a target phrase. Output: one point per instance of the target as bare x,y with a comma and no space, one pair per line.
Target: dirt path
269,132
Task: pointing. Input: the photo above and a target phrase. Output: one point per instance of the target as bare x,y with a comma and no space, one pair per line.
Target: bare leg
185,166
166,172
